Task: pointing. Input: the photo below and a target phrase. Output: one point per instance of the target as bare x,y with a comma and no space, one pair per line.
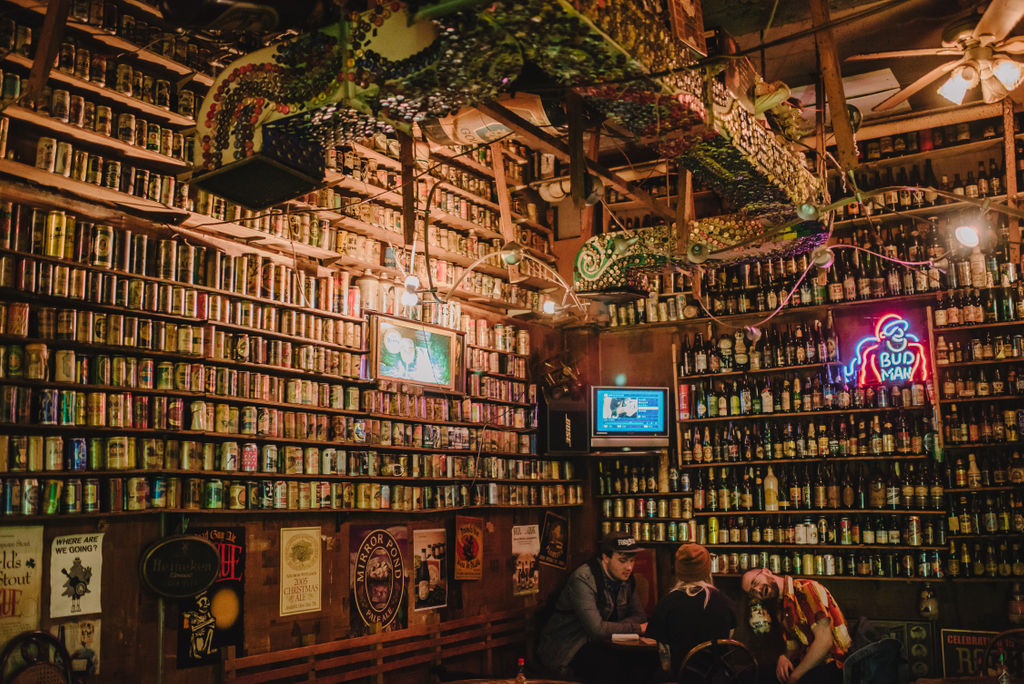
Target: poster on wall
378,578
213,619
554,541
918,639
525,549
962,650
300,570
430,565
76,575
469,547
21,579
81,638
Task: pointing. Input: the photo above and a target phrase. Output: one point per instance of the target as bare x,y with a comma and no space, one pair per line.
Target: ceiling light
1008,72
955,88
412,283
823,257
548,306
512,253
968,235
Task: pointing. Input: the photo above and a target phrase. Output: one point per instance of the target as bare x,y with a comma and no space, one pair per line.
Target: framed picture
417,353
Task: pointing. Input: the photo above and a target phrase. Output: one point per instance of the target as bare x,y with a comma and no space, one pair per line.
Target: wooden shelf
500,351
143,108
829,578
782,369
122,45
982,362
793,414
816,459
935,153
829,547
920,212
976,326
808,512
981,445
991,488
994,397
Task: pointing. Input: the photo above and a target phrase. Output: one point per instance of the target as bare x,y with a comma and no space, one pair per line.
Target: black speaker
564,428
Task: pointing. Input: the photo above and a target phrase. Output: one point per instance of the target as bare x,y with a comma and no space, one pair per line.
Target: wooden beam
539,140
587,217
407,155
50,35
684,209
828,61
1012,181
577,162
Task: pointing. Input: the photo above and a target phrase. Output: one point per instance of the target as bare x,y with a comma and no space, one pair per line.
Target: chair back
35,658
880,662
719,661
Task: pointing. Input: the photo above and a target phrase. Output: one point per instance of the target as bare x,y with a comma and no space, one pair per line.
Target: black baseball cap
619,542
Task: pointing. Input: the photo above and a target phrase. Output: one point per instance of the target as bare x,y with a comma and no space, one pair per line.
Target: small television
629,416
417,353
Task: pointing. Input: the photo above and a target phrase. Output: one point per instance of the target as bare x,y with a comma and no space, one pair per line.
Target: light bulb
412,283
548,306
823,257
956,86
967,235
753,333
410,299
808,212
512,253
1008,72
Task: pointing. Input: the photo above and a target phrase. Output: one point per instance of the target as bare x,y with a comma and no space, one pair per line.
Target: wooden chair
719,661
43,660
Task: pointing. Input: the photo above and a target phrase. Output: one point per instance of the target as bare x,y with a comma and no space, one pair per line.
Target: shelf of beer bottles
981,445
806,547
992,488
816,459
958,579
922,212
956,365
753,371
796,414
933,153
977,326
815,511
829,578
983,535
992,397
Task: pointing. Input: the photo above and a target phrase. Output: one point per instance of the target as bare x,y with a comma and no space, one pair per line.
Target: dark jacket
580,617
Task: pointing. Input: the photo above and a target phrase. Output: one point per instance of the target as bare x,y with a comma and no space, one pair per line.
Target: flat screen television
417,353
629,416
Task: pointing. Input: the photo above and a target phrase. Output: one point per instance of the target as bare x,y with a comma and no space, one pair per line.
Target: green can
165,375
97,453
51,497
213,494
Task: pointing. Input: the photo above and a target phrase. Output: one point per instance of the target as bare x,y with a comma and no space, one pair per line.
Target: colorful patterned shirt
805,602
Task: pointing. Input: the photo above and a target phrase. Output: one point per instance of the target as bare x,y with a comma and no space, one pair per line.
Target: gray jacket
577,618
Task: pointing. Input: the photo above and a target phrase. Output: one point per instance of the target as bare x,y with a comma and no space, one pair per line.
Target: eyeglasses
757,582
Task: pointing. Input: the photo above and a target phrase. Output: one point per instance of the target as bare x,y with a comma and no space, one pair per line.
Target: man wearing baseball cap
599,599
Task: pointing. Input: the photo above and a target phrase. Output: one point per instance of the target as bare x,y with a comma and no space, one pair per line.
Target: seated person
814,628
599,600
692,613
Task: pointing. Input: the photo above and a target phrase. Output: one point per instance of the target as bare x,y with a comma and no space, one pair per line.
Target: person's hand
783,669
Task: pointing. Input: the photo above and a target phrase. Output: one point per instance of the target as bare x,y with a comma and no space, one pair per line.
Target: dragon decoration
384,69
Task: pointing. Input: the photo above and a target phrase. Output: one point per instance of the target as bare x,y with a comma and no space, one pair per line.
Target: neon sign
891,355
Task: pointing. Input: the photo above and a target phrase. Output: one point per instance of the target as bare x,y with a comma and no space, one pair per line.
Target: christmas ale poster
21,579
213,620
469,547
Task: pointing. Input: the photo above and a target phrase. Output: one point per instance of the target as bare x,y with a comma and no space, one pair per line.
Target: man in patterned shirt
816,636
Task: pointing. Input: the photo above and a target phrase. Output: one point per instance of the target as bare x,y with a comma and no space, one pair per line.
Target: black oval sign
180,566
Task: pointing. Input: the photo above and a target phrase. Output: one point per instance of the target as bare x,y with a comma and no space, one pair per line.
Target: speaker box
564,427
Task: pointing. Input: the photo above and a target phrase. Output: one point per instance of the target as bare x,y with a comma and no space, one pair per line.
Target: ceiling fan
982,54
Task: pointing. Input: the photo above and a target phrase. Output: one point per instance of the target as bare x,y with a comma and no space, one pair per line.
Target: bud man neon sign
892,355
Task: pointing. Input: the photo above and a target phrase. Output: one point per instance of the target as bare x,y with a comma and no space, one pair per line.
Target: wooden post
587,217
828,61
508,232
407,156
50,35
577,162
1010,155
684,210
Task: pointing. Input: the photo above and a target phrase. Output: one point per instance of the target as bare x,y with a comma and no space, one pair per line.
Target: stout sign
180,566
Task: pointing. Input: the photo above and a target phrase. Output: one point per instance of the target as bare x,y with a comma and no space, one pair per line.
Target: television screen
409,351
629,416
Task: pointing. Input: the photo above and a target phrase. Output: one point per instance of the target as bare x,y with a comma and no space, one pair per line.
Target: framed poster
918,639
554,540
213,619
469,547
300,570
21,560
962,650
430,567
378,579
525,549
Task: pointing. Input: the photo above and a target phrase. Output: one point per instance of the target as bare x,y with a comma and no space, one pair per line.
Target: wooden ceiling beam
544,142
828,64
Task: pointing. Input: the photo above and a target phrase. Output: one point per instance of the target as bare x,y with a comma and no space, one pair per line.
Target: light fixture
960,81
753,333
555,191
823,257
511,253
1007,71
967,235
807,212
411,295
548,307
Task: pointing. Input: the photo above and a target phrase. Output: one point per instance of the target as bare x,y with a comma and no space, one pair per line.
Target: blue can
158,492
76,454
48,403
12,496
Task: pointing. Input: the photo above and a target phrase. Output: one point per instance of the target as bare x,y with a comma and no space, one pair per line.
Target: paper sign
21,579
76,569
525,548
300,570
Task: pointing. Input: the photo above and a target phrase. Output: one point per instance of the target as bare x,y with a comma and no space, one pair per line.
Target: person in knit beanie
693,612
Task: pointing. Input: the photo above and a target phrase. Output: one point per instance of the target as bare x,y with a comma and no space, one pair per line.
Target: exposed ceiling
911,24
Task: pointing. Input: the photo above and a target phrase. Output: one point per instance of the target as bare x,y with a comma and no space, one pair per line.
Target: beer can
123,79
94,169
237,495
76,111
250,457
46,153
112,174
136,493
52,494
30,496
186,103
63,159
158,492
60,103
53,452
104,120
213,493
126,127
91,495
268,458
162,93
12,496
76,454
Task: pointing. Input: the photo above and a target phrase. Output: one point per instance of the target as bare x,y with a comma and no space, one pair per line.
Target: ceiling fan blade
1012,46
923,52
917,85
999,19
